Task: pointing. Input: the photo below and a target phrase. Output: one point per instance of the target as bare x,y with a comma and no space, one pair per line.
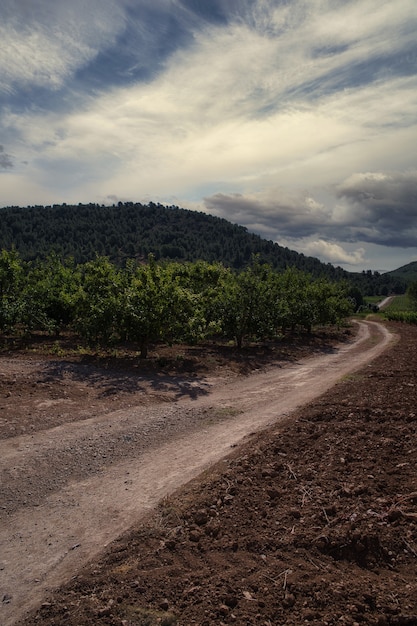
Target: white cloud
46,41
147,139
332,252
274,210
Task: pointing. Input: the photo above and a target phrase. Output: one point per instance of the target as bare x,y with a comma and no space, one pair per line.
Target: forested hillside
406,273
133,231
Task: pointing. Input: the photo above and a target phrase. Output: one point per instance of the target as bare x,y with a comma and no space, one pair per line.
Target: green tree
294,306
331,302
11,279
155,306
204,281
98,302
242,305
50,294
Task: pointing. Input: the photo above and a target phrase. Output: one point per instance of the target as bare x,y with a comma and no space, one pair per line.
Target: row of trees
171,302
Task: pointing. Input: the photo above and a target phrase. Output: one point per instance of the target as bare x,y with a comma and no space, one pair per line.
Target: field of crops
400,309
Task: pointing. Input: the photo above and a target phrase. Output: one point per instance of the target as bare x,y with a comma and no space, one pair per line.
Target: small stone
194,536
273,493
105,612
201,517
394,515
309,615
164,605
230,601
223,609
288,601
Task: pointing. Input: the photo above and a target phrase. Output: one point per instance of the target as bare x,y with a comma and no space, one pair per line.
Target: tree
294,306
155,306
98,303
203,281
50,295
242,305
11,278
331,302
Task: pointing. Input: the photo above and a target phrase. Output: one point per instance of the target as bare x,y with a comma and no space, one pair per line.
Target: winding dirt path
76,487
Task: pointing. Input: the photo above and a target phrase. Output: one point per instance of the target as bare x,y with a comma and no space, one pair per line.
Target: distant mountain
133,230
407,273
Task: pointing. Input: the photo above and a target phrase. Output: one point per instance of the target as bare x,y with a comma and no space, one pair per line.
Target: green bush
409,317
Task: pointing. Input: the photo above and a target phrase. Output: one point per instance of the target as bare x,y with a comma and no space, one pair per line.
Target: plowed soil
312,520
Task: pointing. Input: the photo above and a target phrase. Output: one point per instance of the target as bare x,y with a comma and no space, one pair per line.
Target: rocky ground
313,521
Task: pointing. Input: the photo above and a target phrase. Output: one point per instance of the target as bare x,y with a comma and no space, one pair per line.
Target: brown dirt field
311,521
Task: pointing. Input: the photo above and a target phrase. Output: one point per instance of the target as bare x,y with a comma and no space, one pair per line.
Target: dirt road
70,490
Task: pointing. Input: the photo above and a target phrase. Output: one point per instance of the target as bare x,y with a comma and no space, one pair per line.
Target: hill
133,230
406,273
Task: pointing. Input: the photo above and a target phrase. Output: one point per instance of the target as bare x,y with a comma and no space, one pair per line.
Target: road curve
72,505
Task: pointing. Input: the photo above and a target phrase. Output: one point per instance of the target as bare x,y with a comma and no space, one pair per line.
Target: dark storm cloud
382,208
374,208
286,217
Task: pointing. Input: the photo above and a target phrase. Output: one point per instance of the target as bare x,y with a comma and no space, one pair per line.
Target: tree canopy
164,301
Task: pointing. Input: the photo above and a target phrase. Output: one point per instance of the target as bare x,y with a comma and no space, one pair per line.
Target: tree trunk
143,349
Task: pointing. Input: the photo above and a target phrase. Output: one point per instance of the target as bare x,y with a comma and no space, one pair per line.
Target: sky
294,118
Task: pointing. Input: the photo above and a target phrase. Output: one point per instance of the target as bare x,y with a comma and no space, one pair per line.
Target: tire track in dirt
82,505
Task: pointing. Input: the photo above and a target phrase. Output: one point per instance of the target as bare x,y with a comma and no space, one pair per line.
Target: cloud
84,47
381,207
271,212
298,222
6,161
45,42
374,207
333,252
